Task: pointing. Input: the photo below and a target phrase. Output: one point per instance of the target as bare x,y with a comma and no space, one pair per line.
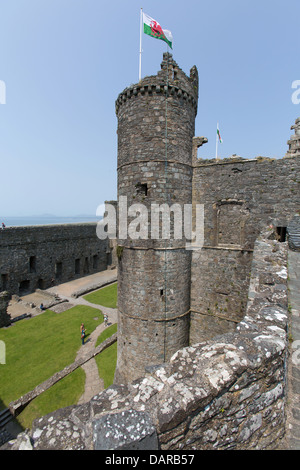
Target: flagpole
140,64
217,142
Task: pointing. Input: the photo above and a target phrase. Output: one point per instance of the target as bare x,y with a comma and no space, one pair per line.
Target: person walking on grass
82,332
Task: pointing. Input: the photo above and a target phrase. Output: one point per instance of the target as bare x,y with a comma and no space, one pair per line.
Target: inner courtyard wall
38,257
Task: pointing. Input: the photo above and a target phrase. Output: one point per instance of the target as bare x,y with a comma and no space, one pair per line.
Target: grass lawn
64,393
107,296
36,348
107,360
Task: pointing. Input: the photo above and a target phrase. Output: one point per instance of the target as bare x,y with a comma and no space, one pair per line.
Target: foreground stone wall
40,256
228,393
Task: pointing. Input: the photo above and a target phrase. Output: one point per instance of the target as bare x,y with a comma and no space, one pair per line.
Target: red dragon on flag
156,29
153,29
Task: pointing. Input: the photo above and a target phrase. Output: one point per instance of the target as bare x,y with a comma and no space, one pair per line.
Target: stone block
127,430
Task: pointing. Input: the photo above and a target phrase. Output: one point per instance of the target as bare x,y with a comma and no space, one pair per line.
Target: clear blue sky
64,62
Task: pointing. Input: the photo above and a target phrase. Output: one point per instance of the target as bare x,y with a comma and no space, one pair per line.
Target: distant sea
45,220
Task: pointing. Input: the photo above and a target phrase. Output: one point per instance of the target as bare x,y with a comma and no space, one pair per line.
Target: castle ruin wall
240,197
33,257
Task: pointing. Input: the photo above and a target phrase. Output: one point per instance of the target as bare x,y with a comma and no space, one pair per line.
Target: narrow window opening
95,262
161,292
281,234
32,264
108,258
142,188
58,270
77,266
86,267
4,278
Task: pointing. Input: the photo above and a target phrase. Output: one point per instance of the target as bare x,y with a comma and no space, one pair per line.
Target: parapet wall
40,256
227,393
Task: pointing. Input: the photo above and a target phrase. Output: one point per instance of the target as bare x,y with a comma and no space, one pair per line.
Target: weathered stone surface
127,430
56,431
293,231
35,257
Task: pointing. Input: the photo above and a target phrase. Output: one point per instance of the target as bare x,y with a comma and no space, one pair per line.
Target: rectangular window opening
4,278
95,262
58,270
32,264
86,267
77,266
281,234
142,188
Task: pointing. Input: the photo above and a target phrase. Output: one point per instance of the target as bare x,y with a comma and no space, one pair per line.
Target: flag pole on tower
140,64
152,27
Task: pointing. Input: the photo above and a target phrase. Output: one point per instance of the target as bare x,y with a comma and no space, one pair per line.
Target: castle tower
156,123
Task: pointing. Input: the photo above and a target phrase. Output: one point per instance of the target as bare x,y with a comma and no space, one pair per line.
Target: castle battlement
170,80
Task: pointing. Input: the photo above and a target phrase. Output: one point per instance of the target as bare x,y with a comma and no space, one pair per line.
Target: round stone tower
156,125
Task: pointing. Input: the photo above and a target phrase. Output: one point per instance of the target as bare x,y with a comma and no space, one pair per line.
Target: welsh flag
219,135
153,28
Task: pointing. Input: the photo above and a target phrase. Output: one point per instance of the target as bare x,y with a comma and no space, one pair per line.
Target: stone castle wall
240,197
41,256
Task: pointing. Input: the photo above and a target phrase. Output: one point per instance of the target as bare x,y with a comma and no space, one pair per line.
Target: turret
156,123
